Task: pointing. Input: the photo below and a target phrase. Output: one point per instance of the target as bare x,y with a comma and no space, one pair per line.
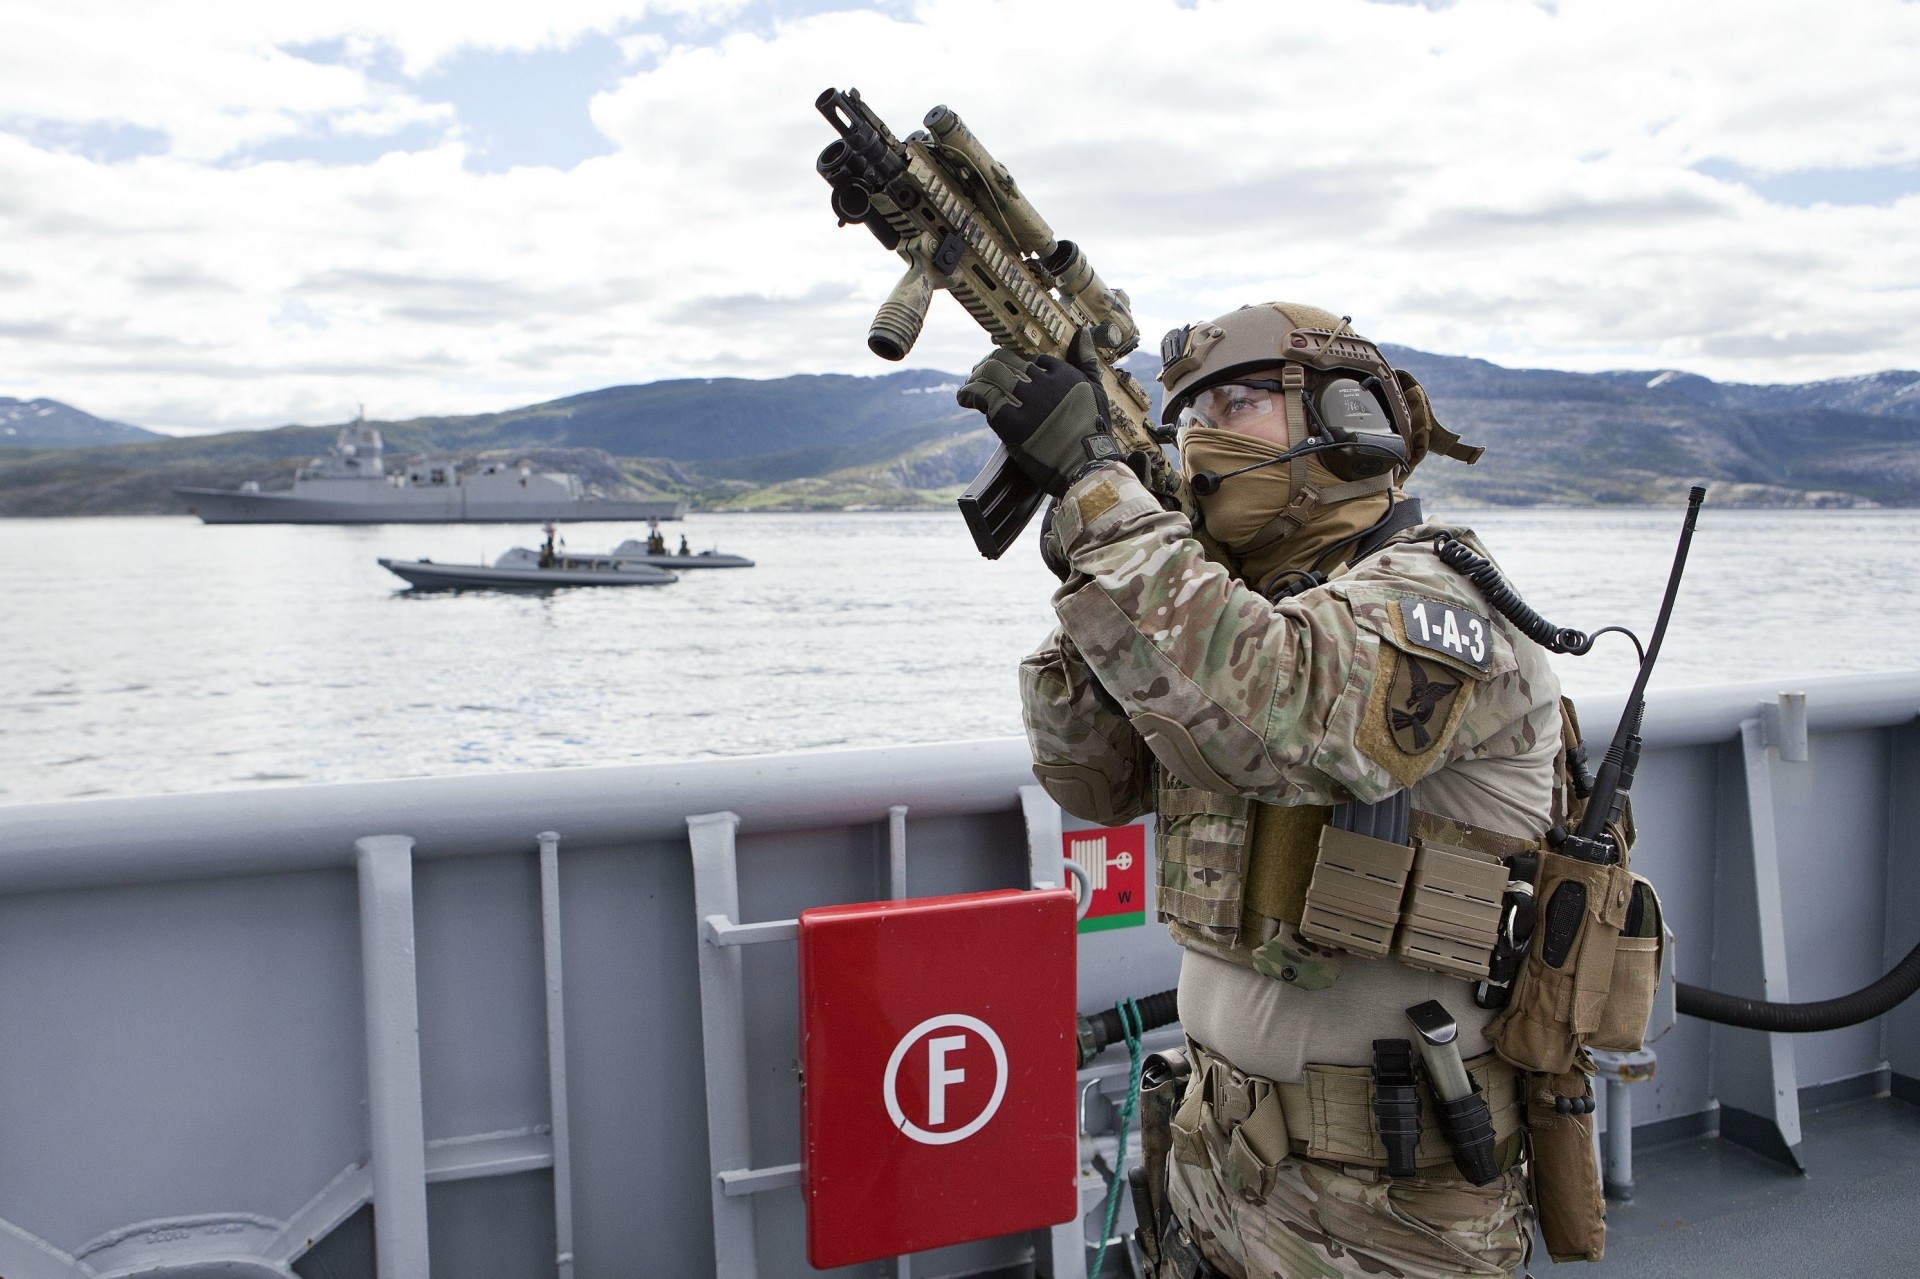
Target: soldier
1295,659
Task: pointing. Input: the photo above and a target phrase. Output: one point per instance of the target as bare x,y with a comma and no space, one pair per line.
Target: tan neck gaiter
1239,514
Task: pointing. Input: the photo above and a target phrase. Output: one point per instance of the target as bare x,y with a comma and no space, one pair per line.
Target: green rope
1130,1025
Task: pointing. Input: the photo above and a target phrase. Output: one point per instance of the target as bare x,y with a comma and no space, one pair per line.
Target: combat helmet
1337,381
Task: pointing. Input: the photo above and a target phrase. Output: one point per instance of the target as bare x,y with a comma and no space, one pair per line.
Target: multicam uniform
1170,687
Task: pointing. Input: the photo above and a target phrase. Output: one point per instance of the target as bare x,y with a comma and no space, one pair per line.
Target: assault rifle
955,215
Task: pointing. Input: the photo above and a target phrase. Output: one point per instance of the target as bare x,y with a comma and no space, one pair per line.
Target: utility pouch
1637,957
1254,1153
1452,914
1162,1077
1354,899
1566,1180
1560,995
1186,1141
1202,857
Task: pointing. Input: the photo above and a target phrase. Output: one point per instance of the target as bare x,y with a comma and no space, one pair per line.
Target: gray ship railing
545,1023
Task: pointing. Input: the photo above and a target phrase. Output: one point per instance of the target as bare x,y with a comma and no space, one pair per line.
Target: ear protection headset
1352,433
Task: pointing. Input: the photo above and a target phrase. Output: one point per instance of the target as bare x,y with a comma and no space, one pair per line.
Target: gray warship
354,485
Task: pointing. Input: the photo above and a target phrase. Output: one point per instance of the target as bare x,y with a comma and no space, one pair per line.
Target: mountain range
898,440
51,424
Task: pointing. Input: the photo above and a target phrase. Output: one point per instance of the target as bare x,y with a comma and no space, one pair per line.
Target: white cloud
1490,178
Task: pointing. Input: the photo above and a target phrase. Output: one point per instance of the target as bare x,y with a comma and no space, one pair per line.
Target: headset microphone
1207,483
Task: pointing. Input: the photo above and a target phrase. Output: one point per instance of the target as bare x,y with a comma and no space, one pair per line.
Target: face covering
1240,514
1244,504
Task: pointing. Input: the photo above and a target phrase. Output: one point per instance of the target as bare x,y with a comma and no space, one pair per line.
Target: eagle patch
1413,711
1419,703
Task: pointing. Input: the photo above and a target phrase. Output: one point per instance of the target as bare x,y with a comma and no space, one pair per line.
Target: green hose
1131,1025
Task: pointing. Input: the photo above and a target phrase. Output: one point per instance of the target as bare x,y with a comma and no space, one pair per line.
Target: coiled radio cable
1479,570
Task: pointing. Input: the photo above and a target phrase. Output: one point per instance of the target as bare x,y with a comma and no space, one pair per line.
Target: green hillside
898,440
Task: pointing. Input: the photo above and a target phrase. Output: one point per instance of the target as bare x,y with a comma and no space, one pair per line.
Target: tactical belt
1328,1114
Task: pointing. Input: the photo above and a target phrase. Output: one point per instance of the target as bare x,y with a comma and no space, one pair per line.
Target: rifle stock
955,215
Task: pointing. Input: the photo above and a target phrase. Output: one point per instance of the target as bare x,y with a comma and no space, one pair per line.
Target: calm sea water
157,654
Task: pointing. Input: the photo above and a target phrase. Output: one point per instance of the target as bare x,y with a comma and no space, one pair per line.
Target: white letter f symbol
939,1075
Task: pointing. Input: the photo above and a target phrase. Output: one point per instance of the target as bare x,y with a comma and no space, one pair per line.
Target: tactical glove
1052,416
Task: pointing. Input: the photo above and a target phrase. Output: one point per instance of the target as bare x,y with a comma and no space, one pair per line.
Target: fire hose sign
1113,860
937,1060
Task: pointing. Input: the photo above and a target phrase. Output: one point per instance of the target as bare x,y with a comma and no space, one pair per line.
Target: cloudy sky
239,213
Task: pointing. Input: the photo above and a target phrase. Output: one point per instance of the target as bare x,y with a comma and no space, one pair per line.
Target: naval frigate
354,485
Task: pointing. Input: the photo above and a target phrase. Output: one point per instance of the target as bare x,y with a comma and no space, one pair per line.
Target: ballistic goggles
1234,406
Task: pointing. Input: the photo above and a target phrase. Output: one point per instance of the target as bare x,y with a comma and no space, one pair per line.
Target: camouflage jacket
1350,690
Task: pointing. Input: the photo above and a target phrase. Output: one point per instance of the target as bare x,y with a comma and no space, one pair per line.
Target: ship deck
1706,1207
329,1030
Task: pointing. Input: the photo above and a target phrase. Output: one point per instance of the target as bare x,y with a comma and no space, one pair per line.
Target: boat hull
705,559
221,506
426,575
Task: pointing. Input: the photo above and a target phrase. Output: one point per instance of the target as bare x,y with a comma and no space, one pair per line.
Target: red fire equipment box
937,1051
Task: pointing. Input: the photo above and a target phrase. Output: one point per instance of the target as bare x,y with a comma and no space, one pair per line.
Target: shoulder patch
1415,707
1439,626
1458,634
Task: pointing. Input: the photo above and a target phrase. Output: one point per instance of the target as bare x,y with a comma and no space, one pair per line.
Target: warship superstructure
354,485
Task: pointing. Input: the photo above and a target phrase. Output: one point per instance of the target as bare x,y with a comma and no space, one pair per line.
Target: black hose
1480,571
1156,1011
1898,985
1801,1019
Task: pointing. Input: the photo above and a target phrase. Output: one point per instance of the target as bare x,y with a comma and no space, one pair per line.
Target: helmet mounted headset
1355,440
1342,399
